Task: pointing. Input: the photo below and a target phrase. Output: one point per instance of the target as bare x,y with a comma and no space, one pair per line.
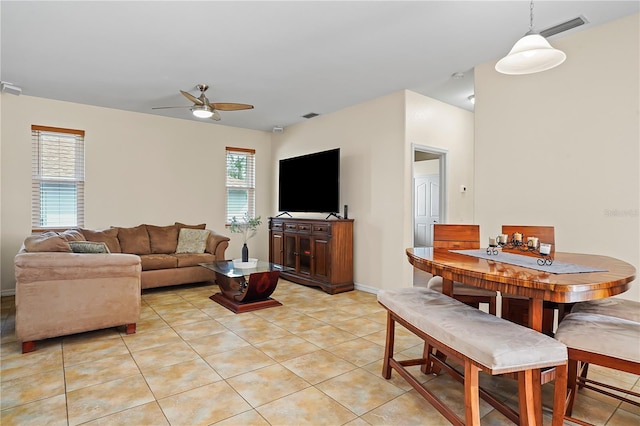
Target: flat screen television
310,183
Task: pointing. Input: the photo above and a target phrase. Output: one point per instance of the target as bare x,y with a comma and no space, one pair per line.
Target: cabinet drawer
321,228
304,228
300,228
276,226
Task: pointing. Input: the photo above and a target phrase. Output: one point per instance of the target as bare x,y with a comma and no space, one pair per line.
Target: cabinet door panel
304,255
277,248
321,256
290,253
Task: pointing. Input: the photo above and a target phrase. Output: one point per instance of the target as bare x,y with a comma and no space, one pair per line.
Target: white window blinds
57,184
241,172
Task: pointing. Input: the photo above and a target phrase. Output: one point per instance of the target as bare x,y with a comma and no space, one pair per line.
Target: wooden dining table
538,286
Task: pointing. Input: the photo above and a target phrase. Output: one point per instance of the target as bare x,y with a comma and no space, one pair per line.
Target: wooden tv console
315,252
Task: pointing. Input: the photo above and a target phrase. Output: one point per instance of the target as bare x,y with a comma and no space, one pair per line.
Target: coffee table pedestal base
240,307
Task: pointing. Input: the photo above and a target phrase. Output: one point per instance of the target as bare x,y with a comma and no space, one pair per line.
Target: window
57,183
241,182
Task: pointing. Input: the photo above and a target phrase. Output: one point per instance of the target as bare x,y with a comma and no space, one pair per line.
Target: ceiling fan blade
225,106
172,107
191,98
215,116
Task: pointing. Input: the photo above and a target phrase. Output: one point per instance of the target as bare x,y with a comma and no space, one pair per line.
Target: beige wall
375,139
371,139
561,147
140,168
438,125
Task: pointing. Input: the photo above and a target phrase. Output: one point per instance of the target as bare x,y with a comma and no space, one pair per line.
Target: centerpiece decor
248,227
517,242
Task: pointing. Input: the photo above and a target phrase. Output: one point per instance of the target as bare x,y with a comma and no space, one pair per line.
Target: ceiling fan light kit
531,54
202,111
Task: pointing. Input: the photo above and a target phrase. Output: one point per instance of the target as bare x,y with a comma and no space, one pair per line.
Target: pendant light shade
531,54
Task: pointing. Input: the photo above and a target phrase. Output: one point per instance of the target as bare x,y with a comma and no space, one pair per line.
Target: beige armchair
64,293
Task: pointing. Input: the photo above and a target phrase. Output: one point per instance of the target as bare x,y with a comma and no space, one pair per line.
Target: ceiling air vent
565,26
311,115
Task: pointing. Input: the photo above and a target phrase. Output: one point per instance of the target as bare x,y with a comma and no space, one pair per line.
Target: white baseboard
366,288
8,292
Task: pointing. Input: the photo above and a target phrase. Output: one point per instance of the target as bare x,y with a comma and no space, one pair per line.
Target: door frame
443,172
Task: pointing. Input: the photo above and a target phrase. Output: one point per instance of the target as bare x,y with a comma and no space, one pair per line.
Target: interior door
427,209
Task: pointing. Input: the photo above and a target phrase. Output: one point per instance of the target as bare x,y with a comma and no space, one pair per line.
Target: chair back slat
451,236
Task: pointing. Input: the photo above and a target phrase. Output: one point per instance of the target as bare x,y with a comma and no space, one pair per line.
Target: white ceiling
287,58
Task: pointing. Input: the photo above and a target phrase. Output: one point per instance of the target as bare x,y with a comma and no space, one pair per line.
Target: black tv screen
310,183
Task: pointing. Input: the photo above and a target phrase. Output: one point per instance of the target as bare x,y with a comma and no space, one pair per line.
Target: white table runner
530,262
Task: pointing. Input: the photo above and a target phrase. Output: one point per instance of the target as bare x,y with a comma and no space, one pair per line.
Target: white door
427,209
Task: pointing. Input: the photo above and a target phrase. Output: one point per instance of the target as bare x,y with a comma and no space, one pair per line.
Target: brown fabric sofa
60,292
155,245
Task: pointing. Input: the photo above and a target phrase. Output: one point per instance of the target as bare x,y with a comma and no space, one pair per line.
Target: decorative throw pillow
48,241
192,240
88,247
134,240
164,239
107,236
182,225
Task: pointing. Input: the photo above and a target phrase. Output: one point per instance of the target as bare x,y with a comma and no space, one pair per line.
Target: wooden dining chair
516,308
449,236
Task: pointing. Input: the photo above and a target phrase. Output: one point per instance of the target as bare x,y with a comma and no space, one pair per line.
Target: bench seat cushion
498,345
612,306
601,334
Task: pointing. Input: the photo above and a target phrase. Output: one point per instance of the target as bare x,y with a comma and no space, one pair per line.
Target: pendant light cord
531,17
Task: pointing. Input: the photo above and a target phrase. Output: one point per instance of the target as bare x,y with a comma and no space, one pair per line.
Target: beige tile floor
315,360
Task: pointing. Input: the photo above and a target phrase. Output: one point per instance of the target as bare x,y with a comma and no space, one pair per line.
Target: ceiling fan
202,108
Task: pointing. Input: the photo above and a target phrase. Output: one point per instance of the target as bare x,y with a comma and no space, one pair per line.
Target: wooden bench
611,341
479,342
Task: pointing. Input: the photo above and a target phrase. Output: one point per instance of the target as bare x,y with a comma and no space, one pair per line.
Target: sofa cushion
134,240
158,261
192,240
107,236
88,247
47,241
72,235
163,239
192,259
182,225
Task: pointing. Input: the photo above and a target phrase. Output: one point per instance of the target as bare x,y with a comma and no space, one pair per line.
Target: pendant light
531,54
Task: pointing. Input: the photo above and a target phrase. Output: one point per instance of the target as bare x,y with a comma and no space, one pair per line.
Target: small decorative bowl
238,263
